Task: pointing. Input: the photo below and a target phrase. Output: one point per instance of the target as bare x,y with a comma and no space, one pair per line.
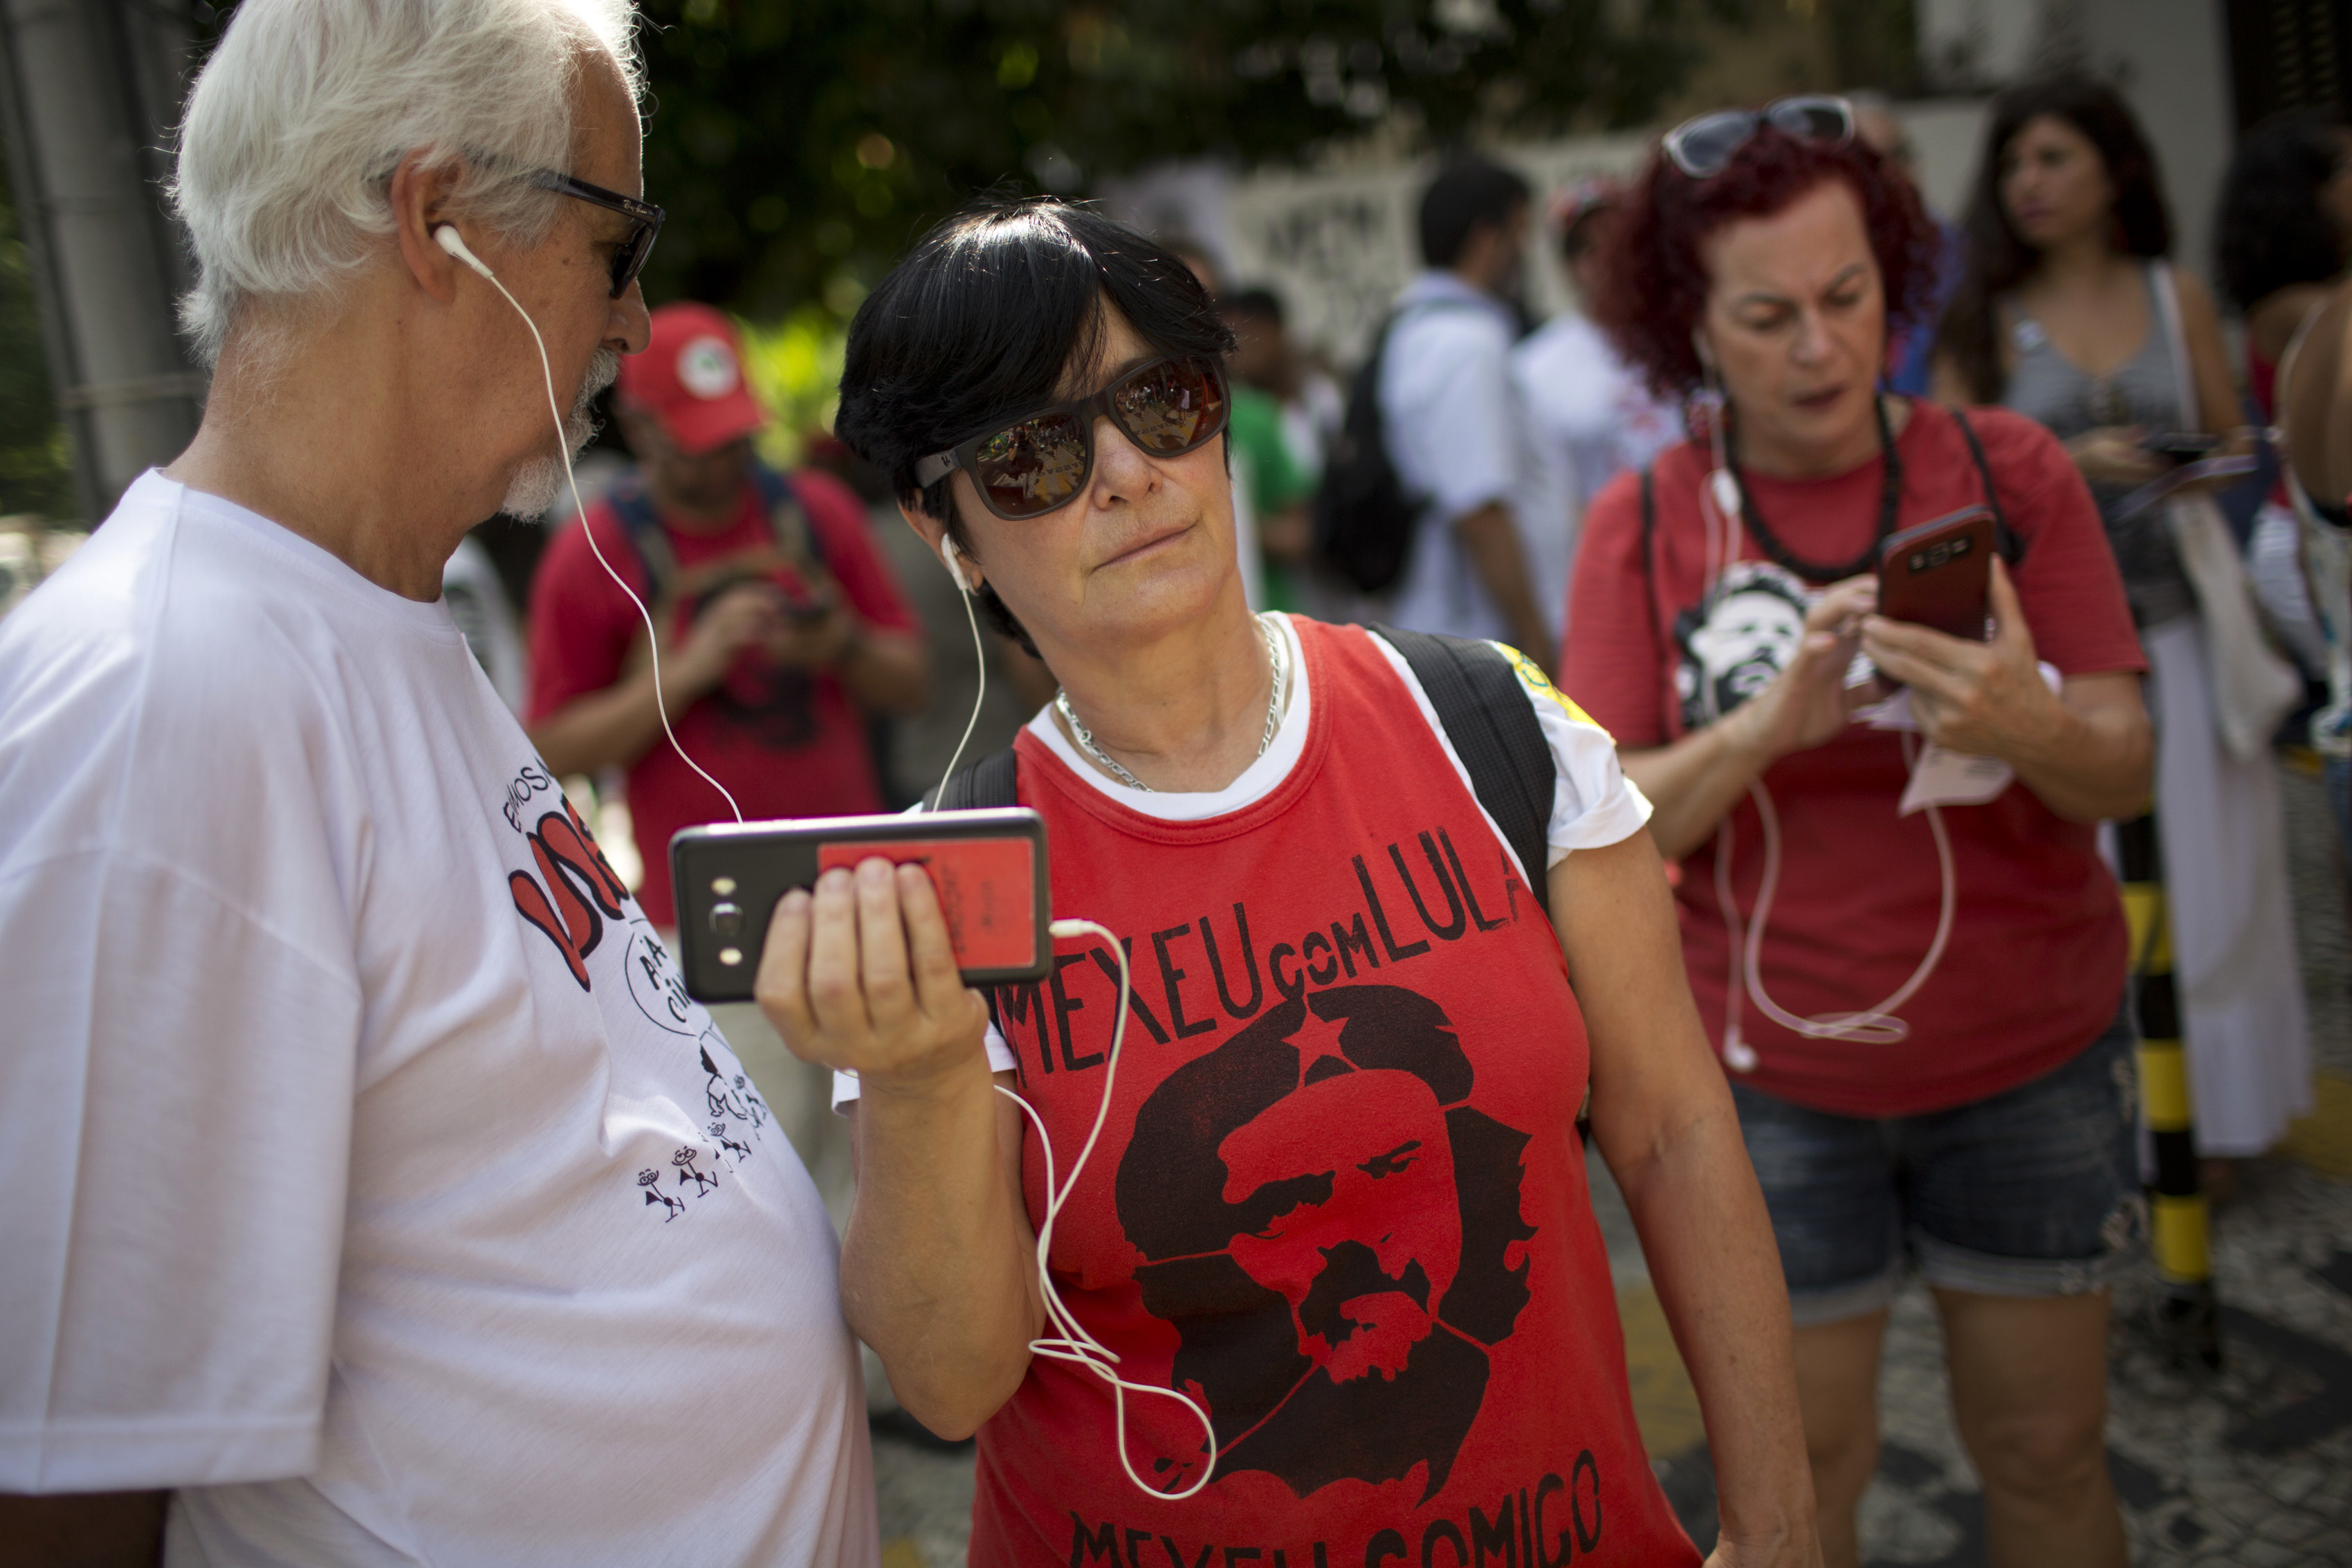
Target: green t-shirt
1276,478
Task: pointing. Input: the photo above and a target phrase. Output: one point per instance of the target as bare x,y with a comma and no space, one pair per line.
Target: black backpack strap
632,504
788,516
1650,592
1494,729
2004,539
993,780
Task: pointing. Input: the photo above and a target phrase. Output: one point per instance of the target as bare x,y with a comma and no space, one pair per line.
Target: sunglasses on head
630,258
1703,147
1042,460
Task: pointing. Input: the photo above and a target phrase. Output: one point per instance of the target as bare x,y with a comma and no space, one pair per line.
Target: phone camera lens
726,921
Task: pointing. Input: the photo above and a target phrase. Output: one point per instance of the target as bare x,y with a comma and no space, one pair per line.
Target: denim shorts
2032,1192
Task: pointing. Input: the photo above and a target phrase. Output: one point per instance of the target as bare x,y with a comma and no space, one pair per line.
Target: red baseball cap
690,379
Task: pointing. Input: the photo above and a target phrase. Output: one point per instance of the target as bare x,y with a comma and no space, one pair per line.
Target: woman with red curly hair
1918,1007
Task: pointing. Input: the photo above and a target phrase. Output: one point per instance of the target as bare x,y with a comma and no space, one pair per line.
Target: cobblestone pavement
2250,1467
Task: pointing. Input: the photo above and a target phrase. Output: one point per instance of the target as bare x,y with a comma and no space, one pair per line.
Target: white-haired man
374,1190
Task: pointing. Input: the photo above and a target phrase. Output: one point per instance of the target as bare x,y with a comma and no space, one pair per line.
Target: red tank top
1338,1199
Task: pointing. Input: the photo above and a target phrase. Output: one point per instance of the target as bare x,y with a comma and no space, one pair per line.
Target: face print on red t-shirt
1738,639
1335,1234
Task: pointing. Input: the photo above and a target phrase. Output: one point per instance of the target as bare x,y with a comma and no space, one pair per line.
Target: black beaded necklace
1890,501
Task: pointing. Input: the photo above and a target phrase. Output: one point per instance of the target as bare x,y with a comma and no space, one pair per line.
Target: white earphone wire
449,240
979,662
1074,1344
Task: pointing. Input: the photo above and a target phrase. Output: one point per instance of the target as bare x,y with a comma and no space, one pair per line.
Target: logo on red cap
706,366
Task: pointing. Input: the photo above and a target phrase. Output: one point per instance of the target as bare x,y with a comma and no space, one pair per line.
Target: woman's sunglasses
1025,469
630,258
1703,147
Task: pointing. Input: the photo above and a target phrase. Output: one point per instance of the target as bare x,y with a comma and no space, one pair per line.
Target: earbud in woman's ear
952,558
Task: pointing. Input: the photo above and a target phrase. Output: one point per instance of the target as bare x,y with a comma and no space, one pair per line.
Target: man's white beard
535,486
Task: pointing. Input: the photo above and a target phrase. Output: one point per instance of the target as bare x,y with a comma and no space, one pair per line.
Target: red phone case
1939,574
986,887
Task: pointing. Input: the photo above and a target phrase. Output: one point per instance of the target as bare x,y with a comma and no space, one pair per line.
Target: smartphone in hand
1939,574
989,868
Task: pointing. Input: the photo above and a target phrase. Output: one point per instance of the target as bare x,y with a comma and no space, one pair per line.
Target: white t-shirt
1593,804
1592,415
1458,433
371,1179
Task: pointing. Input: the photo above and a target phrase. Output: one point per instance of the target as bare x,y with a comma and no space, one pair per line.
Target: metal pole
2184,1317
80,81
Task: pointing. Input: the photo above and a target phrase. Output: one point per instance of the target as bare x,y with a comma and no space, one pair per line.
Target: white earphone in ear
954,557
446,235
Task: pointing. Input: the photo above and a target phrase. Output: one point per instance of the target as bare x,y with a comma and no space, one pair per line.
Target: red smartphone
1939,574
989,868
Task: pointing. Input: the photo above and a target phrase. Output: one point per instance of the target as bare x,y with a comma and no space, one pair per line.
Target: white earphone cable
979,662
1072,1344
455,247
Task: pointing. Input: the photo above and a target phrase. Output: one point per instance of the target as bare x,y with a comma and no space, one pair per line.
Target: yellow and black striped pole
2185,1319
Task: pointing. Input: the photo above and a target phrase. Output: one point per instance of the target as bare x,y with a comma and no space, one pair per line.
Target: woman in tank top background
2063,315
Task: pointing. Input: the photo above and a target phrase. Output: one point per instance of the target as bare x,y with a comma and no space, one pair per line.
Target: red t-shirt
2035,964
786,743
1338,1198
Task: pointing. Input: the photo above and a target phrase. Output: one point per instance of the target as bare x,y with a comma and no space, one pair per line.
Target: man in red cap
782,627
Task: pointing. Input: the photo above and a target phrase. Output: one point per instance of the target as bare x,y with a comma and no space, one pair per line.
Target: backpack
1363,521
1485,713
795,542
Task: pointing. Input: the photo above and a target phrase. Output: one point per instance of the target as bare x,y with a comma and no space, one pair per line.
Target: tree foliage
800,144
36,468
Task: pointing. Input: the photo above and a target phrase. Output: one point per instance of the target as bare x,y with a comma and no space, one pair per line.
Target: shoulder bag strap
1650,593
2176,340
2004,537
1486,716
788,517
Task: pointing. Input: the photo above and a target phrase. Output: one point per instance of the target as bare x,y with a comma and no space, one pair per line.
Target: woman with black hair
2070,313
2283,233
1334,1212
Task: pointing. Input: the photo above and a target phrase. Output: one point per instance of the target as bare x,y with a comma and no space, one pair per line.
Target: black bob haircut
2272,232
1466,192
980,322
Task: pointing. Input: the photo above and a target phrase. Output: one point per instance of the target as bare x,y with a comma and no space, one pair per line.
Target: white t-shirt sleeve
1000,1060
1593,804
176,1114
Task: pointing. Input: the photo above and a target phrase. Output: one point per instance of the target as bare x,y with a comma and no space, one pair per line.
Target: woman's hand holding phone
1985,699
860,974
1809,703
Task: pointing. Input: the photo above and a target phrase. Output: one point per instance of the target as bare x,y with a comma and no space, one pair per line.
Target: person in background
1489,557
1949,1092
2314,395
1593,414
2069,313
375,1195
2282,235
783,628
783,631
1262,378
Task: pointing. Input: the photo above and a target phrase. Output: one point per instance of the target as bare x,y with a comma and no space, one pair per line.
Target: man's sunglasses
630,258
1703,147
1042,460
